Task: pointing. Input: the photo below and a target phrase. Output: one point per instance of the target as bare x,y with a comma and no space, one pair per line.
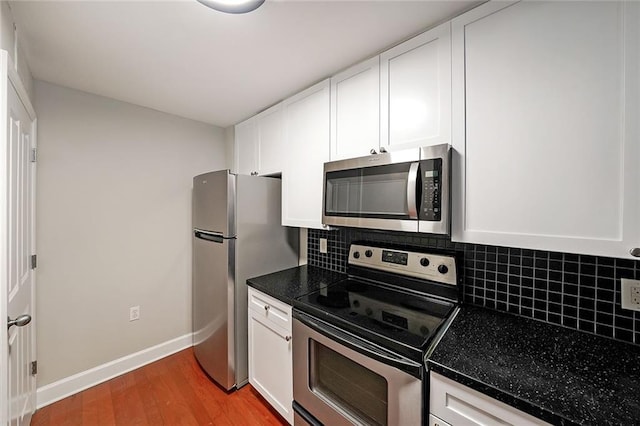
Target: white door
355,110
270,351
246,151
269,140
17,384
306,118
546,100
415,91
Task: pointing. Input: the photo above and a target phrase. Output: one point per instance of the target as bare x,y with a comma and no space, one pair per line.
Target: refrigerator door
213,310
213,202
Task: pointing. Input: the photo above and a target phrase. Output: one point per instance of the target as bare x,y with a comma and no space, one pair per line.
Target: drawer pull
287,338
266,308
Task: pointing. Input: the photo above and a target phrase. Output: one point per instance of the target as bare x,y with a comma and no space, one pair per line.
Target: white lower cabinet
453,404
270,362
435,421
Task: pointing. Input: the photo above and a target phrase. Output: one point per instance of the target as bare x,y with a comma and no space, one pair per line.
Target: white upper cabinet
415,91
259,143
306,129
270,140
400,99
545,126
355,110
245,148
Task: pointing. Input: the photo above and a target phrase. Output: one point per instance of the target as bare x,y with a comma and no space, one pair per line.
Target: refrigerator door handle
211,236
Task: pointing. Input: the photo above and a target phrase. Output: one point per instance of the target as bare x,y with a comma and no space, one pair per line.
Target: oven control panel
427,266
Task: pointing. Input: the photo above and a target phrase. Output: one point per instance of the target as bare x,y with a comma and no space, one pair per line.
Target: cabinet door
415,91
245,151
457,404
270,363
355,110
546,107
269,140
306,118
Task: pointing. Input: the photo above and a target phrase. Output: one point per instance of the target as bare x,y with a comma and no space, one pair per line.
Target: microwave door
377,197
413,190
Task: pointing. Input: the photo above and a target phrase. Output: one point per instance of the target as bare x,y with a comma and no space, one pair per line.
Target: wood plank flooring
171,391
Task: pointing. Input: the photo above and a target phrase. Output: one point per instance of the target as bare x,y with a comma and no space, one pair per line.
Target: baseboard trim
68,386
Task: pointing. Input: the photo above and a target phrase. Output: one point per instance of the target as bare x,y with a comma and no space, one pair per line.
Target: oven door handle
359,345
412,195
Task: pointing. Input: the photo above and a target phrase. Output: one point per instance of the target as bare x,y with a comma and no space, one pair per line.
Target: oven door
340,379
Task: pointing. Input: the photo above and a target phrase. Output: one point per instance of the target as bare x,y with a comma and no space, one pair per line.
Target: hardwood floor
171,391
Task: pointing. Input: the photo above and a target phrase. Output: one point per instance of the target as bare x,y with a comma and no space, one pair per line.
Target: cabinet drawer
457,404
273,310
435,421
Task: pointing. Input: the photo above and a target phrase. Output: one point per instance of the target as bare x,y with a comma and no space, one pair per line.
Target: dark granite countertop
554,373
294,282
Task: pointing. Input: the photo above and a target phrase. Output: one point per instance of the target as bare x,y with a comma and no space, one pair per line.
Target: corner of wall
229,139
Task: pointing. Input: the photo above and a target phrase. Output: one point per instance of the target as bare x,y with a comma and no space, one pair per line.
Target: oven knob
424,261
368,253
356,254
443,269
368,311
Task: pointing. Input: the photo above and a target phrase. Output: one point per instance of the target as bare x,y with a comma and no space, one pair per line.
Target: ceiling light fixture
233,6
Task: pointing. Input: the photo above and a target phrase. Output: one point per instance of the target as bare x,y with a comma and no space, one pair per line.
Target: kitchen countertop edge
289,284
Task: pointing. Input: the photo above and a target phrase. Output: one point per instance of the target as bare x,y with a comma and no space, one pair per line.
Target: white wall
113,226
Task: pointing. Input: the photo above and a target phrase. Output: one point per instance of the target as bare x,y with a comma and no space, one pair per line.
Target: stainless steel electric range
359,344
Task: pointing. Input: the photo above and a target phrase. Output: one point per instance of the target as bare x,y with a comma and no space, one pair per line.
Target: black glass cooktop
379,313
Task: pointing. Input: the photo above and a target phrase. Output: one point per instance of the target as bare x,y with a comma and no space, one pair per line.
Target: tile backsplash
575,291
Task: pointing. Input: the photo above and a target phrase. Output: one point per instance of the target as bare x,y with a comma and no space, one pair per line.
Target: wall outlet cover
630,292
134,313
323,245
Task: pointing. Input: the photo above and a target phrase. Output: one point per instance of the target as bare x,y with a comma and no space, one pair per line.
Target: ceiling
183,58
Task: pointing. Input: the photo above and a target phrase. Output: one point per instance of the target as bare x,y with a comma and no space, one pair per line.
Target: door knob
372,152
21,321
382,150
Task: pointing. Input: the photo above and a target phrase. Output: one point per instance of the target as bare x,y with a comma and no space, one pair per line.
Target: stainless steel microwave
406,190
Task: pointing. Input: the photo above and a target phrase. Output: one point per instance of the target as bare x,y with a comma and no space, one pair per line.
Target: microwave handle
412,196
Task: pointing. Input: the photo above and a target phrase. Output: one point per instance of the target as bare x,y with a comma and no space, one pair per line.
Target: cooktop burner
392,297
407,318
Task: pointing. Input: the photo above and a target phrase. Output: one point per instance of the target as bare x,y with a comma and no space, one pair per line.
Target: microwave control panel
431,206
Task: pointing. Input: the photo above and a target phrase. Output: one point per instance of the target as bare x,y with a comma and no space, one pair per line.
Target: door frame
9,75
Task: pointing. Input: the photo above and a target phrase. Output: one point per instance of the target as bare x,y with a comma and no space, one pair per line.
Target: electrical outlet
630,292
134,313
323,245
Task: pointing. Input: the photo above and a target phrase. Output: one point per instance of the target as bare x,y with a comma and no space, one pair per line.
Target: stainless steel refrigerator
237,234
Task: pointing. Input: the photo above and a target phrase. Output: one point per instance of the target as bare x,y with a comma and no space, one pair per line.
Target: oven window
349,386
379,191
